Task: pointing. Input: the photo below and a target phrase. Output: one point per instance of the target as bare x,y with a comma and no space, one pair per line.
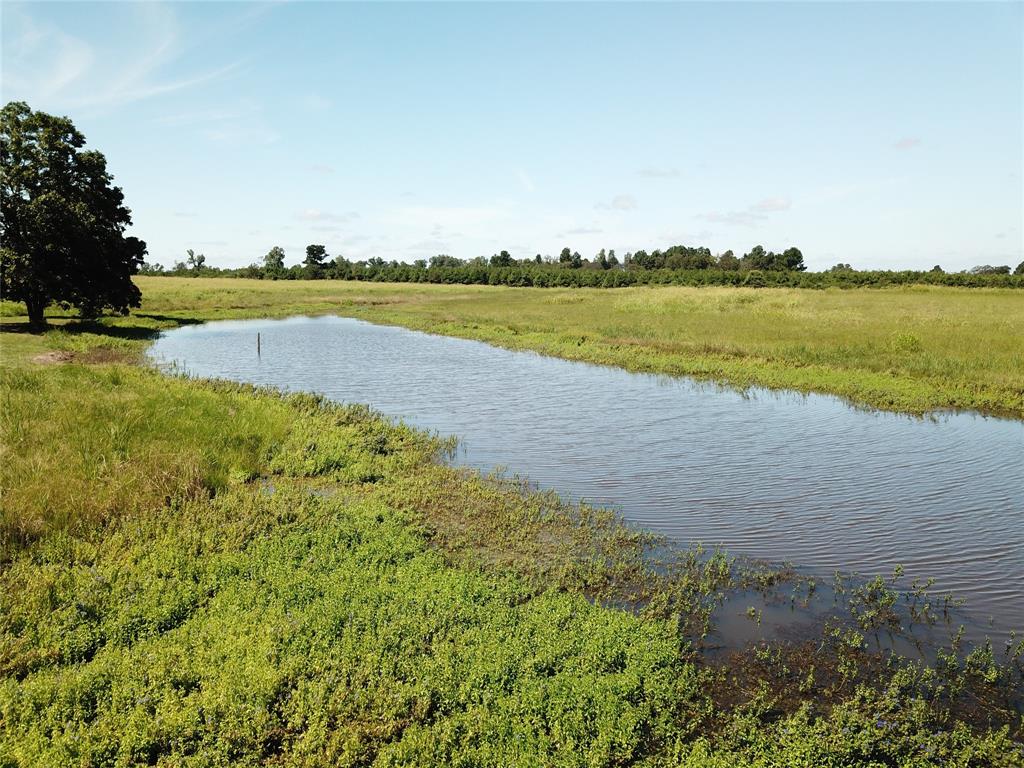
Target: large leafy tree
314,261
791,260
274,260
63,221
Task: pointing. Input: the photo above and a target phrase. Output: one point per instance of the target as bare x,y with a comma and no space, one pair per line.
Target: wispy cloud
910,142
476,220
619,203
429,246
321,168
206,116
241,123
48,64
656,172
771,205
317,215
686,237
750,216
525,180
581,231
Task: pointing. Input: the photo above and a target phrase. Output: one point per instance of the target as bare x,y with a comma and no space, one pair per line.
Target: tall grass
913,348
83,444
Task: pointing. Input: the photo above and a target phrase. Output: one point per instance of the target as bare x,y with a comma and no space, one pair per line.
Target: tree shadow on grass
76,326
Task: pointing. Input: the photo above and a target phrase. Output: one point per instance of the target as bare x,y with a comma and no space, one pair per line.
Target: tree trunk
36,319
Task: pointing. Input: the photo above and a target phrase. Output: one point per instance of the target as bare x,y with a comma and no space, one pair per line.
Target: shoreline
360,494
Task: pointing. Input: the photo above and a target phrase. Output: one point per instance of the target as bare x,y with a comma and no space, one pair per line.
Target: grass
912,349
198,573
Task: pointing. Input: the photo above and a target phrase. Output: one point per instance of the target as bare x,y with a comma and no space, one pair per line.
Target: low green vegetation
199,573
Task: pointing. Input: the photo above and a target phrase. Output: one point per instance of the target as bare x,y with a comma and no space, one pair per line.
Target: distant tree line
677,265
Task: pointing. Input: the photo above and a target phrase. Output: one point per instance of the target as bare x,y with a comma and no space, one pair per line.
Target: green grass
197,574
912,349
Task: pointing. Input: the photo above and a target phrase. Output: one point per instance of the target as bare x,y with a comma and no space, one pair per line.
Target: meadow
202,573
911,349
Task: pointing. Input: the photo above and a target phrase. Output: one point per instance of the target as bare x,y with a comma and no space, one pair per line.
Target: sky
884,135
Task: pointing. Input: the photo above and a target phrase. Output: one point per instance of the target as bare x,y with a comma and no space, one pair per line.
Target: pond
779,476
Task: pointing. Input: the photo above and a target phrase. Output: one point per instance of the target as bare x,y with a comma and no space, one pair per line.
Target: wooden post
257,344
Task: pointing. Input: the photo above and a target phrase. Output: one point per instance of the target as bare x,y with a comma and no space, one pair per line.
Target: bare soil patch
52,358
97,356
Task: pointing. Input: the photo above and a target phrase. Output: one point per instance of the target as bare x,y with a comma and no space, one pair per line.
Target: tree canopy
63,220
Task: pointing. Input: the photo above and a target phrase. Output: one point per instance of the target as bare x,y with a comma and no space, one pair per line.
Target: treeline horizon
676,265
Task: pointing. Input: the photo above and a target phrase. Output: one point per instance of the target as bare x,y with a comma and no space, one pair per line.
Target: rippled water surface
780,476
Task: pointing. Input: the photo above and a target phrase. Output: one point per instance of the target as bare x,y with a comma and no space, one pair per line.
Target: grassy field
197,574
910,349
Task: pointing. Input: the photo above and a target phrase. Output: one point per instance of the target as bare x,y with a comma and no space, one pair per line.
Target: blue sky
879,134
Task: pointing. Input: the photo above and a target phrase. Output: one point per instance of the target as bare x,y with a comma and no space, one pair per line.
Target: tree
62,221
728,261
643,260
792,260
195,261
273,262
789,260
314,261
757,258
576,261
444,260
937,268
503,259
565,257
1020,269
988,269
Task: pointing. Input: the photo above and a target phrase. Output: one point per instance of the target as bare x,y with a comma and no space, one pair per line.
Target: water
778,476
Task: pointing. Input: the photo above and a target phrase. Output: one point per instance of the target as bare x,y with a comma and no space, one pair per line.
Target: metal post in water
257,344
